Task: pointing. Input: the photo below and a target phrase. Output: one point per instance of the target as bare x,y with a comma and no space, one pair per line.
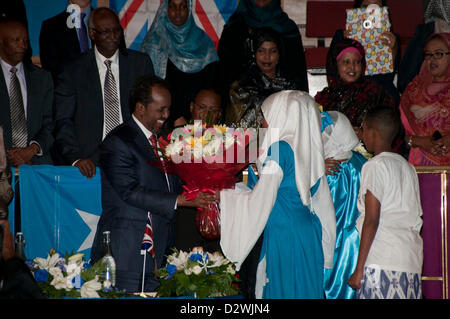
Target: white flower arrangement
70,276
197,273
201,141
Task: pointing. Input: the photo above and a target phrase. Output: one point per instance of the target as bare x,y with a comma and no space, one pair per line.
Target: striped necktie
112,117
17,112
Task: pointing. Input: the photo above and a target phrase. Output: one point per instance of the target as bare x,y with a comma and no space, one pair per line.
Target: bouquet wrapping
207,159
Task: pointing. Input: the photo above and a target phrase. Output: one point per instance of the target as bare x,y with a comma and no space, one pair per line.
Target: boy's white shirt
397,245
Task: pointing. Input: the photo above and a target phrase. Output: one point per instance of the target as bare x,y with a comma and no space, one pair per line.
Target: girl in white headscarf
291,203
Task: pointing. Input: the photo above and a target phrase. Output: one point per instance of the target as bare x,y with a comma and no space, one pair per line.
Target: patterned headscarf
438,9
188,47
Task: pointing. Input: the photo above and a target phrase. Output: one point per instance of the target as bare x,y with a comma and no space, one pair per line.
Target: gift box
366,26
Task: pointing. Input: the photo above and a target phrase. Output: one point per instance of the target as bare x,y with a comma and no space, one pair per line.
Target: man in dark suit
131,188
91,92
61,40
26,96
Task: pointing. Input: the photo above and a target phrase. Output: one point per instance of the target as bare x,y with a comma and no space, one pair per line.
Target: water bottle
20,246
108,260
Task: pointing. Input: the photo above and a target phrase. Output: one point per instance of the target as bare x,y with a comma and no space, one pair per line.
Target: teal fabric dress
292,244
344,188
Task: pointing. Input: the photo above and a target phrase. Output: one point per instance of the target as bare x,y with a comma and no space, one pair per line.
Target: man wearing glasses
91,96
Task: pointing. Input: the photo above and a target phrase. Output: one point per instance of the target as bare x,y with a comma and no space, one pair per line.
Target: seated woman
425,106
181,53
263,78
343,170
437,20
291,203
234,49
389,39
349,91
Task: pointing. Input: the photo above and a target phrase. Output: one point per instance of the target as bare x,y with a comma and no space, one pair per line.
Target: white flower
179,261
197,269
90,288
230,269
73,269
217,259
174,148
76,259
229,140
48,263
187,271
56,272
197,250
59,282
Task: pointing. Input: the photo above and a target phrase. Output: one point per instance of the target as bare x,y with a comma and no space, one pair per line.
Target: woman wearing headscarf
437,20
234,46
349,91
389,39
263,78
343,170
425,106
291,203
181,53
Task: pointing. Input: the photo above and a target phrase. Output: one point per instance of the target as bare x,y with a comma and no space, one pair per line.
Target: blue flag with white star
60,209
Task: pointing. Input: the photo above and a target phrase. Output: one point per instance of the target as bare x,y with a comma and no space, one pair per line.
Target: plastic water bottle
108,260
20,246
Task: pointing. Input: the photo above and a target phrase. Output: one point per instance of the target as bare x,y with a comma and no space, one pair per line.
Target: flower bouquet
207,159
70,276
198,274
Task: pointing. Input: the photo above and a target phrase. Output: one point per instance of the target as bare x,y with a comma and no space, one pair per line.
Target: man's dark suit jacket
79,102
39,110
130,188
58,44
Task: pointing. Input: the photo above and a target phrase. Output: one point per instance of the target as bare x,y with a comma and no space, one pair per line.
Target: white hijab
339,138
294,117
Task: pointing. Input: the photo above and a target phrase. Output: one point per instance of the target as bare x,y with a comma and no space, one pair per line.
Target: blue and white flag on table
136,17
60,209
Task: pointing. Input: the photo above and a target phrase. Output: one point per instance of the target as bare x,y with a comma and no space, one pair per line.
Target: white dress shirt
20,73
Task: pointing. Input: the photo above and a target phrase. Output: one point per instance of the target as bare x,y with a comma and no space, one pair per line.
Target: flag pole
144,252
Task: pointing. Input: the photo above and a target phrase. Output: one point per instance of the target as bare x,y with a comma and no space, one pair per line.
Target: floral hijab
425,108
188,47
352,99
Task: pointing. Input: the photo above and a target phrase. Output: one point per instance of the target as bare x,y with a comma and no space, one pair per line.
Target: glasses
107,32
436,55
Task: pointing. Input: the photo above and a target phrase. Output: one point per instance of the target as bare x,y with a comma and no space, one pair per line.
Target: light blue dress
344,188
292,243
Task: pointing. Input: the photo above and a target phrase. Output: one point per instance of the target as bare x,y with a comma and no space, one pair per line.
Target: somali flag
60,209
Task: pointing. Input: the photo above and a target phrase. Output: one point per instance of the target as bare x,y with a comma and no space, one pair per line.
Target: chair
323,18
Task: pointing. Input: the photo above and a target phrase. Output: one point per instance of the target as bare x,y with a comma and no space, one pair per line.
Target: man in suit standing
26,96
91,92
61,40
132,189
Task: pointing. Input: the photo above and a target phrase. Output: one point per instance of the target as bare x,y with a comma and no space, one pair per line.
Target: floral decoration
70,276
198,274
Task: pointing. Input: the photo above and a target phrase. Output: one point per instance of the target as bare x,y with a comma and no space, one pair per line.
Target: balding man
26,96
91,96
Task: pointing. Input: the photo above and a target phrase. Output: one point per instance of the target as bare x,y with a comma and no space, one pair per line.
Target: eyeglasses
107,32
436,55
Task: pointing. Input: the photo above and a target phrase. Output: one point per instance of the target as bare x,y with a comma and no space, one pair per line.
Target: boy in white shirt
391,249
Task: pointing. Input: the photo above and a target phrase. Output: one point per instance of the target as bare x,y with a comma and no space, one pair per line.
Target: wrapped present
366,26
